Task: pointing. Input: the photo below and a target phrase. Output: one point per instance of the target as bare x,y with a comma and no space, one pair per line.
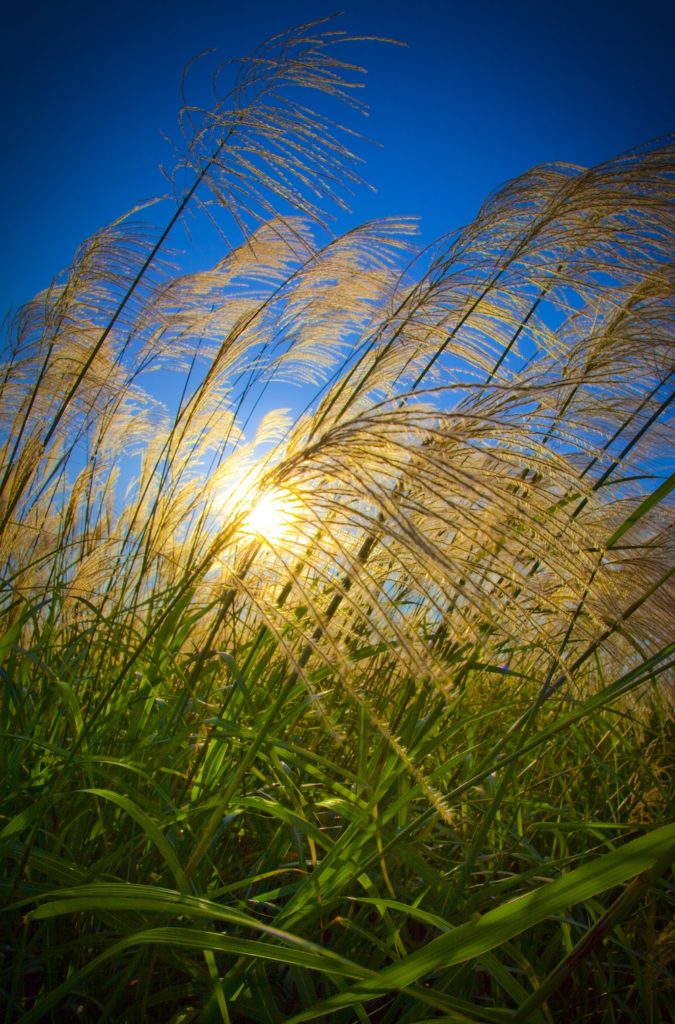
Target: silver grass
478,421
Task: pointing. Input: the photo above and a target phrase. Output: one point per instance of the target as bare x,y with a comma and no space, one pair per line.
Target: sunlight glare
270,516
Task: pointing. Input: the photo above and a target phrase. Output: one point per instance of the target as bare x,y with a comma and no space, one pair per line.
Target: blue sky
484,91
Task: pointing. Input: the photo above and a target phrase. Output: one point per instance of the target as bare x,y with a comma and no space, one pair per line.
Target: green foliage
398,752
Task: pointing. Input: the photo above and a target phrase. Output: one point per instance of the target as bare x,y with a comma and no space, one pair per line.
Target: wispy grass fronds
337,596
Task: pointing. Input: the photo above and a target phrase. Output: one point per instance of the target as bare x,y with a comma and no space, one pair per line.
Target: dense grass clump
359,711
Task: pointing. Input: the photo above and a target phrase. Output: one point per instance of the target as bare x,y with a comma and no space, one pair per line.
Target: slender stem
147,263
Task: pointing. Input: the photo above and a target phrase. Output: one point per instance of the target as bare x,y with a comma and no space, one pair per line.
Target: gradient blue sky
484,91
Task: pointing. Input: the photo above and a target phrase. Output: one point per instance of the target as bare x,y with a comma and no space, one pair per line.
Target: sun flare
270,516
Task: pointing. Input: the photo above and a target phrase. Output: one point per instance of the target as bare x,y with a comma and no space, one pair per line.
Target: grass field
357,712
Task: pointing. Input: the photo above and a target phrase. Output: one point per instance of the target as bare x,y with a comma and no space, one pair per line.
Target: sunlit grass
270,517
362,713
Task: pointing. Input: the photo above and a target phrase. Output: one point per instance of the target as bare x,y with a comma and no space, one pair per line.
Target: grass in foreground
396,749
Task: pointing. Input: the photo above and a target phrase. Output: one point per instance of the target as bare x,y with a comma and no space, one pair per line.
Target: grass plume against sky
483,92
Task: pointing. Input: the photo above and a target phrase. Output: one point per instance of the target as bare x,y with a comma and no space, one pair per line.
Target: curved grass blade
152,831
505,922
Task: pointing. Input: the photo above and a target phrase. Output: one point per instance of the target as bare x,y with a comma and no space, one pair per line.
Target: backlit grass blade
616,913
503,923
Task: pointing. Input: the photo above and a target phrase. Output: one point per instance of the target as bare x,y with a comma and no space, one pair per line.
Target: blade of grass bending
511,919
151,830
121,896
489,962
188,938
621,907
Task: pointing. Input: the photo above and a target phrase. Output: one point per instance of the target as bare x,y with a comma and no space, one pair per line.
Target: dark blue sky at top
484,91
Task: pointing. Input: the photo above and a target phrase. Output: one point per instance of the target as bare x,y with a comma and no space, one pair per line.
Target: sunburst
271,516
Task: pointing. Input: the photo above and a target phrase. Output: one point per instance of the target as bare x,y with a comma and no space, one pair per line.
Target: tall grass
404,756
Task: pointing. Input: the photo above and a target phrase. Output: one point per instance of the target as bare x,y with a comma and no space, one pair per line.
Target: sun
270,516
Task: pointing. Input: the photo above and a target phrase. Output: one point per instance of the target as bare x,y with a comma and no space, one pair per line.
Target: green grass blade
505,922
153,832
